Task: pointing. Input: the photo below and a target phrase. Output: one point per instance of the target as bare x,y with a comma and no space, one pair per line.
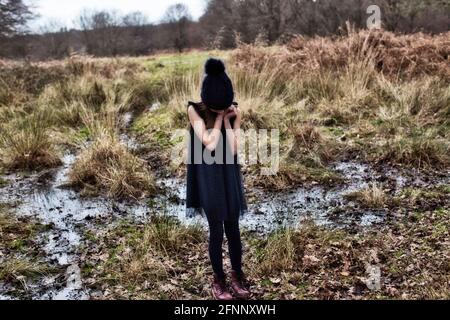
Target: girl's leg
234,244
215,247
238,282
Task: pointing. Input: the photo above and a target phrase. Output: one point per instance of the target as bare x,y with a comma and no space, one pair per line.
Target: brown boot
239,286
219,289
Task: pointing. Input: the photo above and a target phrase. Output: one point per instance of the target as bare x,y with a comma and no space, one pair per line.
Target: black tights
216,231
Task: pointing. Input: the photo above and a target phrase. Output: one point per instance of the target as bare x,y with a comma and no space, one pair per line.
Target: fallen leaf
275,280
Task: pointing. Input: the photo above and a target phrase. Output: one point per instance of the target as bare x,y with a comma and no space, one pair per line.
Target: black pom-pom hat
217,88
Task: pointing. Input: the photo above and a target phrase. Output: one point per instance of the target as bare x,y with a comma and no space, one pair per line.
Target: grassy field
375,98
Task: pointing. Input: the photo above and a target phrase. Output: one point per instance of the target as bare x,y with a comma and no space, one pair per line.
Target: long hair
205,113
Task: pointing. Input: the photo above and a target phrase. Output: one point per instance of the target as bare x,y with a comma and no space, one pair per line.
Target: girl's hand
238,113
231,113
220,120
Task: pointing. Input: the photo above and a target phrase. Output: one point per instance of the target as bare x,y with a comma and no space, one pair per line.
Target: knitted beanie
217,89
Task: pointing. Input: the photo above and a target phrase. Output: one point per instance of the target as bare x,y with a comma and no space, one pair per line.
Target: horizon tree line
224,22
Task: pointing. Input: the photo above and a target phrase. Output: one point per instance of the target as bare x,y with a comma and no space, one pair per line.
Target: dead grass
310,145
19,270
305,153
376,87
262,108
279,252
334,264
28,146
107,166
419,152
395,55
373,197
19,259
11,228
166,235
308,262
56,98
354,84
158,260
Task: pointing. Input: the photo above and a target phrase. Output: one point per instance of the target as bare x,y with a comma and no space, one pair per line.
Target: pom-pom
214,67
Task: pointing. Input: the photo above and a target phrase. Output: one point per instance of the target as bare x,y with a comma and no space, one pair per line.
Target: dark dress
215,190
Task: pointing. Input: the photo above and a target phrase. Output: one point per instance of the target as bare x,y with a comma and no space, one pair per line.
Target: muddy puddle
44,197
324,206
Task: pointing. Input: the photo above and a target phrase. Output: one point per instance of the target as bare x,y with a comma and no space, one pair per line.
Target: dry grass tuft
167,235
280,252
107,165
29,146
18,270
373,197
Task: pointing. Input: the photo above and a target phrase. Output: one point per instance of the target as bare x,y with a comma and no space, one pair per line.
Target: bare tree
137,33
178,18
102,31
55,39
221,20
272,16
135,19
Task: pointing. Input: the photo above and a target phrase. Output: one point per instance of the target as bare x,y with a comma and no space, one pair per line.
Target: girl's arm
210,139
233,132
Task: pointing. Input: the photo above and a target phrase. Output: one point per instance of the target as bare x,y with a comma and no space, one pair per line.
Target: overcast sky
65,11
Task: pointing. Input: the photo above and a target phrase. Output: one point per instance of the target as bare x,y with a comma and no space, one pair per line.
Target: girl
215,188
